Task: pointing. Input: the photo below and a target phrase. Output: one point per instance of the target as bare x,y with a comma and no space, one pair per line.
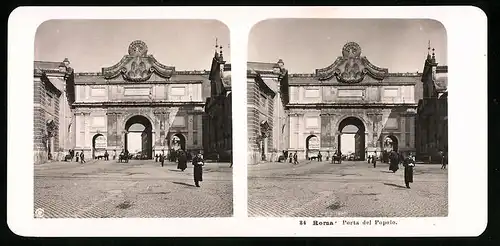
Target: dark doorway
354,127
140,130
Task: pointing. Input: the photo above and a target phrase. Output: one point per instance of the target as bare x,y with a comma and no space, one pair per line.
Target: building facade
309,111
217,131
53,95
266,117
432,120
139,90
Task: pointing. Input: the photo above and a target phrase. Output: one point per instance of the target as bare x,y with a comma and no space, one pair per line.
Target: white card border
467,54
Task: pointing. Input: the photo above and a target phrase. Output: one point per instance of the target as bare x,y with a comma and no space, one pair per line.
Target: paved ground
350,189
107,189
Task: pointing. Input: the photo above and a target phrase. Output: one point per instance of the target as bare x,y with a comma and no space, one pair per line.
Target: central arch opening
312,146
138,140
351,140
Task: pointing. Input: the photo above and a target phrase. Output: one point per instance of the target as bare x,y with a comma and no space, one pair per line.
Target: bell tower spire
429,51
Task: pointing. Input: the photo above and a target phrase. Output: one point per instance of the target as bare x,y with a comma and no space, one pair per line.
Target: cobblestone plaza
140,188
349,189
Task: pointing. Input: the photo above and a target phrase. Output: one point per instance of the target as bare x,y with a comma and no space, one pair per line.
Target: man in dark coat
82,157
394,161
408,163
374,160
182,160
198,164
443,162
162,159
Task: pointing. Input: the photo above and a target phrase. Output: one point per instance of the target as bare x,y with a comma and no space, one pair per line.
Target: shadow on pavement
181,183
386,171
395,185
175,170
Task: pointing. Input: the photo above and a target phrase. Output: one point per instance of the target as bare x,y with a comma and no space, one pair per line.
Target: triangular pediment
138,66
351,67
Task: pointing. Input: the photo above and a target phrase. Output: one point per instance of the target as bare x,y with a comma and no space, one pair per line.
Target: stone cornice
292,106
138,104
142,83
296,84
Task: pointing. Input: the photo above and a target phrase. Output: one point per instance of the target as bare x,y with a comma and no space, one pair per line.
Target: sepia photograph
132,119
347,118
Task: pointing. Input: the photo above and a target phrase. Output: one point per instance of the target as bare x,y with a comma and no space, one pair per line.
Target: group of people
182,159
78,157
395,159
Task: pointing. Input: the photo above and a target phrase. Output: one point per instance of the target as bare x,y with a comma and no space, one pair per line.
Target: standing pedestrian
320,157
295,158
408,163
327,155
82,157
441,154
182,160
162,159
114,154
77,156
374,160
156,158
106,155
198,164
394,161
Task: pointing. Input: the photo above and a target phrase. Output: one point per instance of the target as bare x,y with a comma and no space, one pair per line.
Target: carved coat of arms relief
351,67
138,66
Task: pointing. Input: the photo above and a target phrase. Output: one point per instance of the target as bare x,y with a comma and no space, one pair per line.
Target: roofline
177,72
312,75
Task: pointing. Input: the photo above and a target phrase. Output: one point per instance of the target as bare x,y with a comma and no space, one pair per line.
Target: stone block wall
41,113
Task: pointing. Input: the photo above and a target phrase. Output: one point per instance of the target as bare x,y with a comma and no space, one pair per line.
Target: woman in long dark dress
182,161
408,163
394,161
198,164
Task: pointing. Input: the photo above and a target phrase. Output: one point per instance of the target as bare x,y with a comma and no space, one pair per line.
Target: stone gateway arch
139,90
350,91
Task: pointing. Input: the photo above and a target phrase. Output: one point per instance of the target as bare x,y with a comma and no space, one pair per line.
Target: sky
307,44
347,143
134,143
92,44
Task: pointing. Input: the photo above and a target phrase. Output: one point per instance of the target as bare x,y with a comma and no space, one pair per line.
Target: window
179,121
350,93
392,123
392,92
98,92
177,91
98,121
312,122
49,100
311,93
263,101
